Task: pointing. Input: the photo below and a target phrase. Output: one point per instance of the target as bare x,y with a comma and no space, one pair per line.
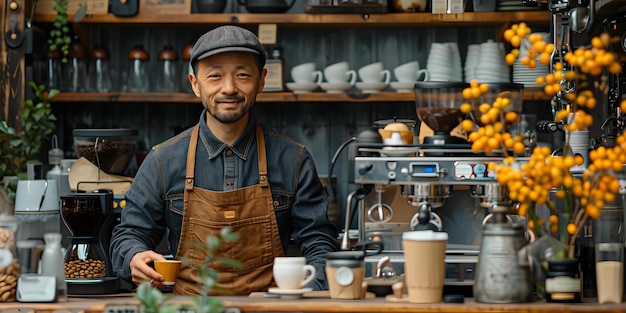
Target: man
226,171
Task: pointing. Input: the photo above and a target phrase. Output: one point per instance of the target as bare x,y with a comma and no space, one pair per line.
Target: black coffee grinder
89,218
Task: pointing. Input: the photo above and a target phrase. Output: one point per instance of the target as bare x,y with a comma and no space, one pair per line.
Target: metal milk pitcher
503,273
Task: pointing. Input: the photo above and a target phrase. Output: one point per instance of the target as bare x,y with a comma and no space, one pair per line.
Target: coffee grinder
89,218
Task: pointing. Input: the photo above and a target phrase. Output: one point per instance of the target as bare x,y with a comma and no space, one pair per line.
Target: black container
563,282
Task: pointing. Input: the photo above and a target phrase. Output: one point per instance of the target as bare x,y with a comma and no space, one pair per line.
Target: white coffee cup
410,72
292,273
306,73
374,73
340,72
37,195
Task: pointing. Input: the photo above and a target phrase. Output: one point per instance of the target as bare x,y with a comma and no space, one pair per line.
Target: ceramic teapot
267,6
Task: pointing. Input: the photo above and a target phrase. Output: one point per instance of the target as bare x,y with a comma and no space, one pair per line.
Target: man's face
227,84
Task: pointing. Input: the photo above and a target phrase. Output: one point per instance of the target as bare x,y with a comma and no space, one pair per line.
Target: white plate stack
515,5
471,59
444,62
491,66
522,74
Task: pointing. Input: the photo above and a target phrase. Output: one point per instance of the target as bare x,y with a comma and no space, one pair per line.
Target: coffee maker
89,219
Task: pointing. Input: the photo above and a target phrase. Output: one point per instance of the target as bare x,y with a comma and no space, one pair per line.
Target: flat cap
227,38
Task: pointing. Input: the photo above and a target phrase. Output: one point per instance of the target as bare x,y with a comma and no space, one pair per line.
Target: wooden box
94,7
173,7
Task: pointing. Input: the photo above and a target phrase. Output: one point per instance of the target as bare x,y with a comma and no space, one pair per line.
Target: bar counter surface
126,303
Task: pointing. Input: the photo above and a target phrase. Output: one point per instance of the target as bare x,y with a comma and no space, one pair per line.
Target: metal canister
502,276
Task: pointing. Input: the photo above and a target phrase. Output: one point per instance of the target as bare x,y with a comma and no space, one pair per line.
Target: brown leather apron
248,211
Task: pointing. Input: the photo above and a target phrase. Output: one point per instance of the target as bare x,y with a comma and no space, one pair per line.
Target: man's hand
141,270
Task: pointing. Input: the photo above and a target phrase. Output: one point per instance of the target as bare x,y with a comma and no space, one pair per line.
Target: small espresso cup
410,72
292,273
340,73
306,73
169,269
374,73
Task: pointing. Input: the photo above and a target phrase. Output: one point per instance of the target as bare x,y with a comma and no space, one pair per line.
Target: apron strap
191,159
260,143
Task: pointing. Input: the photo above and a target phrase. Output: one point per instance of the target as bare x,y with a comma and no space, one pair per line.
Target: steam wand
351,207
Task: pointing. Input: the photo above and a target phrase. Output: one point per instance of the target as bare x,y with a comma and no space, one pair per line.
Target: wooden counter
121,303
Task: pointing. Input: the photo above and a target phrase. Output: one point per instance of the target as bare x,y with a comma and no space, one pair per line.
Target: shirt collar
215,147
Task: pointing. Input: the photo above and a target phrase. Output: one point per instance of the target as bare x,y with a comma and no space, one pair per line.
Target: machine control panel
408,170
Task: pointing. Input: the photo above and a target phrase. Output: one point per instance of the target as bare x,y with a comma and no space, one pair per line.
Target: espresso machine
434,179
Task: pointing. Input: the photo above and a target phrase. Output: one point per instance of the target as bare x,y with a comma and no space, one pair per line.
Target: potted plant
21,146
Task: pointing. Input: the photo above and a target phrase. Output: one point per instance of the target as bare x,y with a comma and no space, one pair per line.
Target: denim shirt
154,202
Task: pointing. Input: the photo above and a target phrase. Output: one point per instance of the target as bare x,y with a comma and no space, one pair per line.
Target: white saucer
289,293
336,87
404,87
301,87
398,151
371,87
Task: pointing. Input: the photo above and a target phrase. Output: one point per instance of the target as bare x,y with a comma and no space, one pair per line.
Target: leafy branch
60,38
154,301
37,124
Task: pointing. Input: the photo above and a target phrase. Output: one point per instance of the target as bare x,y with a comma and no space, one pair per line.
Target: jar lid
138,53
77,50
99,53
168,54
185,54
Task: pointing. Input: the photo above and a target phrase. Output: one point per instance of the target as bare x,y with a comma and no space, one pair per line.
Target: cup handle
311,270
317,77
352,74
422,71
387,75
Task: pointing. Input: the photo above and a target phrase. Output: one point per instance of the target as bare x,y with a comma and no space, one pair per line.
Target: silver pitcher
503,272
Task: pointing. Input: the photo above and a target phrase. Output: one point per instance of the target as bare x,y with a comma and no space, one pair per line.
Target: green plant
154,301
17,148
60,38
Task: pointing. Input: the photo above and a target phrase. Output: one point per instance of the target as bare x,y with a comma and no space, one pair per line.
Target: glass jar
138,77
9,265
99,73
166,76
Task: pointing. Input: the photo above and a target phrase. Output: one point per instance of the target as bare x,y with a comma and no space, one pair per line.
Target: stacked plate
471,59
514,5
444,62
522,74
490,65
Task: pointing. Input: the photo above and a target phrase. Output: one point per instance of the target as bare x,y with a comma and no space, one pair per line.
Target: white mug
410,72
340,73
292,273
306,73
374,73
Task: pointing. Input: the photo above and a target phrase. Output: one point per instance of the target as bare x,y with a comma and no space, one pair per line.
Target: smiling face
227,84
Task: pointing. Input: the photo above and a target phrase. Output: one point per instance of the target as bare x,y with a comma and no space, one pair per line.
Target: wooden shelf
321,20
274,97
